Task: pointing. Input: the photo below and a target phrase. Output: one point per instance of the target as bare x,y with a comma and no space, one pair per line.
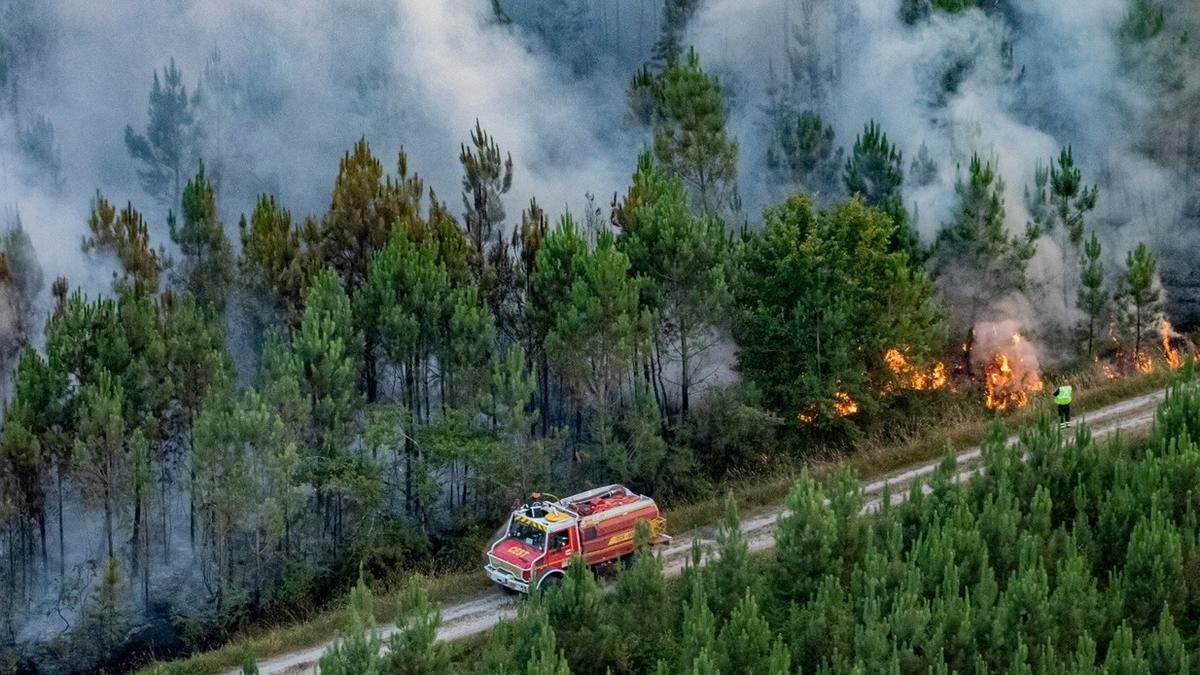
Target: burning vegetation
1175,351
909,376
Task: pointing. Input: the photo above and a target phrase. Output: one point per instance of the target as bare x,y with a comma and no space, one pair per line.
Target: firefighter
1062,398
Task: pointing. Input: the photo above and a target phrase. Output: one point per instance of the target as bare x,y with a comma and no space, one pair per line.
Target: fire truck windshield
532,536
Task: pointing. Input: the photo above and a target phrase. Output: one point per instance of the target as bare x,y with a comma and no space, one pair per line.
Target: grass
960,425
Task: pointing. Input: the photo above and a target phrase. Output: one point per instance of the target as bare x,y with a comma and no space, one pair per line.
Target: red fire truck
544,534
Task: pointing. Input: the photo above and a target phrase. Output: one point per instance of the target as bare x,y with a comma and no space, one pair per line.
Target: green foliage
731,431
804,151
744,645
277,256
126,237
690,139
1075,560
575,609
675,18
875,170
975,258
821,298
730,575
167,150
1093,296
681,260
207,256
366,207
357,650
487,176
327,348
805,540
413,649
1144,21
1139,296
599,329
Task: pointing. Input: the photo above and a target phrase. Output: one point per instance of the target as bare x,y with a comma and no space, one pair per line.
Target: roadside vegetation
1076,560
752,493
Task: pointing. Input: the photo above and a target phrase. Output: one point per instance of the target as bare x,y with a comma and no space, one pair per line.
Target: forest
236,383
1079,559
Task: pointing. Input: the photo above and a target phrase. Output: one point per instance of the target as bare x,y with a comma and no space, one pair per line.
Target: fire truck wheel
627,561
550,581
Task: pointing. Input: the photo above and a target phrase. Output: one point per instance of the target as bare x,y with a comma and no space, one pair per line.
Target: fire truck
543,535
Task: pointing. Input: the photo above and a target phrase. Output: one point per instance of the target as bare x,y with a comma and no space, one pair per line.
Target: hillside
294,293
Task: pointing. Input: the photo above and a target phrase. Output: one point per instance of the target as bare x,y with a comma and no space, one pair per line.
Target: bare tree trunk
41,518
166,536
62,545
685,377
135,538
192,473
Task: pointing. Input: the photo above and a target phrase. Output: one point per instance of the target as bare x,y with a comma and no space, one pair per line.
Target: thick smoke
1014,87
286,88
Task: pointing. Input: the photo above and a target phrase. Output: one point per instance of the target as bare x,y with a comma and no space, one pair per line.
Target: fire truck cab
543,535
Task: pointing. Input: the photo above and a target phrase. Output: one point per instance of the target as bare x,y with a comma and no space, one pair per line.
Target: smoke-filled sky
305,79
287,88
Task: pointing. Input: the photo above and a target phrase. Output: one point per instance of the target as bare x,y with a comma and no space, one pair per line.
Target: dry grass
960,424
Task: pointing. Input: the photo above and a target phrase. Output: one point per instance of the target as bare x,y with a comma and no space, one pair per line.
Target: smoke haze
287,88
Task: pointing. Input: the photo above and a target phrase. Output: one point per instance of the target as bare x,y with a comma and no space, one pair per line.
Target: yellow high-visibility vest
1063,395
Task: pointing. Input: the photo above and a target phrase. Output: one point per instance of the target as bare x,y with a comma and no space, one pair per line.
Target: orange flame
910,376
844,405
1010,381
1174,360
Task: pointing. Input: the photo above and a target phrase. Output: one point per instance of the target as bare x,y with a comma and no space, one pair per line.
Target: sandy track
480,614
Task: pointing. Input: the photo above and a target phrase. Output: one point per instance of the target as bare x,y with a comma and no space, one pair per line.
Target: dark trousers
1064,412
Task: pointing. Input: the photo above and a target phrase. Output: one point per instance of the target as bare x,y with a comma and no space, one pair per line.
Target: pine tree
804,152
641,605
729,576
698,634
101,465
167,150
681,259
1165,648
327,347
521,462
1153,569
1092,297
556,267
207,256
487,176
222,488
1144,21
821,296
545,660
875,170
196,360
676,15
356,651
690,137
744,645
598,330
1061,211
974,257
366,207
1124,655
278,257
413,649
127,237
1140,295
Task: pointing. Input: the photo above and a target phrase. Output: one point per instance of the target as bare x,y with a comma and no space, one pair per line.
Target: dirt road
478,615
